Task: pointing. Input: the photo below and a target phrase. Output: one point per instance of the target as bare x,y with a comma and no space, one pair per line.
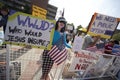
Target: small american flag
58,53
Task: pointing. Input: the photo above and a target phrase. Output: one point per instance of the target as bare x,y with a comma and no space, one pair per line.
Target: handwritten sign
103,25
82,60
24,29
77,44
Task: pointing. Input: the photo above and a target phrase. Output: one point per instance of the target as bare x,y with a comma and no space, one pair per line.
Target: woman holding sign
58,53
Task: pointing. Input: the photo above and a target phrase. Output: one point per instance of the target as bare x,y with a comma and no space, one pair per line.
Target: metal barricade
20,63
25,64
103,67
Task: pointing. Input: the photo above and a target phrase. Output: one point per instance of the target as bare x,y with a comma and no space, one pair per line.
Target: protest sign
24,29
103,25
77,44
82,60
88,65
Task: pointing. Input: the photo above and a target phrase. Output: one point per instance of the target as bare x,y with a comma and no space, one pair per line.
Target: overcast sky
79,12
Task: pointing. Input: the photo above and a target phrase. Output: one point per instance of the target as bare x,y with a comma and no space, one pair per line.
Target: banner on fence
87,64
103,25
82,60
24,29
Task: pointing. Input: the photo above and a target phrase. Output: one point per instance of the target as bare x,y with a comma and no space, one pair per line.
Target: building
40,3
24,5
51,12
39,8
18,5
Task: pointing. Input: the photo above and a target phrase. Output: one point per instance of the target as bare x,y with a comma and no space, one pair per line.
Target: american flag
58,53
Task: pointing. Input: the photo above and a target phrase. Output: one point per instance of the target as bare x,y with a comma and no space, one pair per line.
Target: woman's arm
65,42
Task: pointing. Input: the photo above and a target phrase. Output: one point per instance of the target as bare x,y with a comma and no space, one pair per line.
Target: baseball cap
62,19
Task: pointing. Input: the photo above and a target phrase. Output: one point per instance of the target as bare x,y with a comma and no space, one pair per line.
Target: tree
78,27
116,36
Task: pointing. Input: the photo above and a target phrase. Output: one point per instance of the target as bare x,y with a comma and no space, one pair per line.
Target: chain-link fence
24,63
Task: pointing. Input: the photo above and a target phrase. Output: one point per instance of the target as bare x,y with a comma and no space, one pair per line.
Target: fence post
7,62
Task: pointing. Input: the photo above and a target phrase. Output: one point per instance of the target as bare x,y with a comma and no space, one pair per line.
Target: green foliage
116,36
78,27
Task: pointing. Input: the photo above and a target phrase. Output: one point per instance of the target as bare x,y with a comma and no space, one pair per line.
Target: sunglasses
62,22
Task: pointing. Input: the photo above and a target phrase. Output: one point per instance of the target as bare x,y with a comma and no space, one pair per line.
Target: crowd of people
102,45
109,47
106,45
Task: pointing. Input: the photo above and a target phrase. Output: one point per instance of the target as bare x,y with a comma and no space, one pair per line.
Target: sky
79,12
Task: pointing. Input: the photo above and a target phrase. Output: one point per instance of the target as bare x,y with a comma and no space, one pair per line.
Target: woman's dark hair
61,20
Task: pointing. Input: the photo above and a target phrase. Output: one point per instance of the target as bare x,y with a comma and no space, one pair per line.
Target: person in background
108,47
116,48
100,44
116,42
116,51
4,12
47,60
68,36
90,41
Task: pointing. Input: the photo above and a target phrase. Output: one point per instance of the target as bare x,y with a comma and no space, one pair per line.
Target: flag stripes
57,55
